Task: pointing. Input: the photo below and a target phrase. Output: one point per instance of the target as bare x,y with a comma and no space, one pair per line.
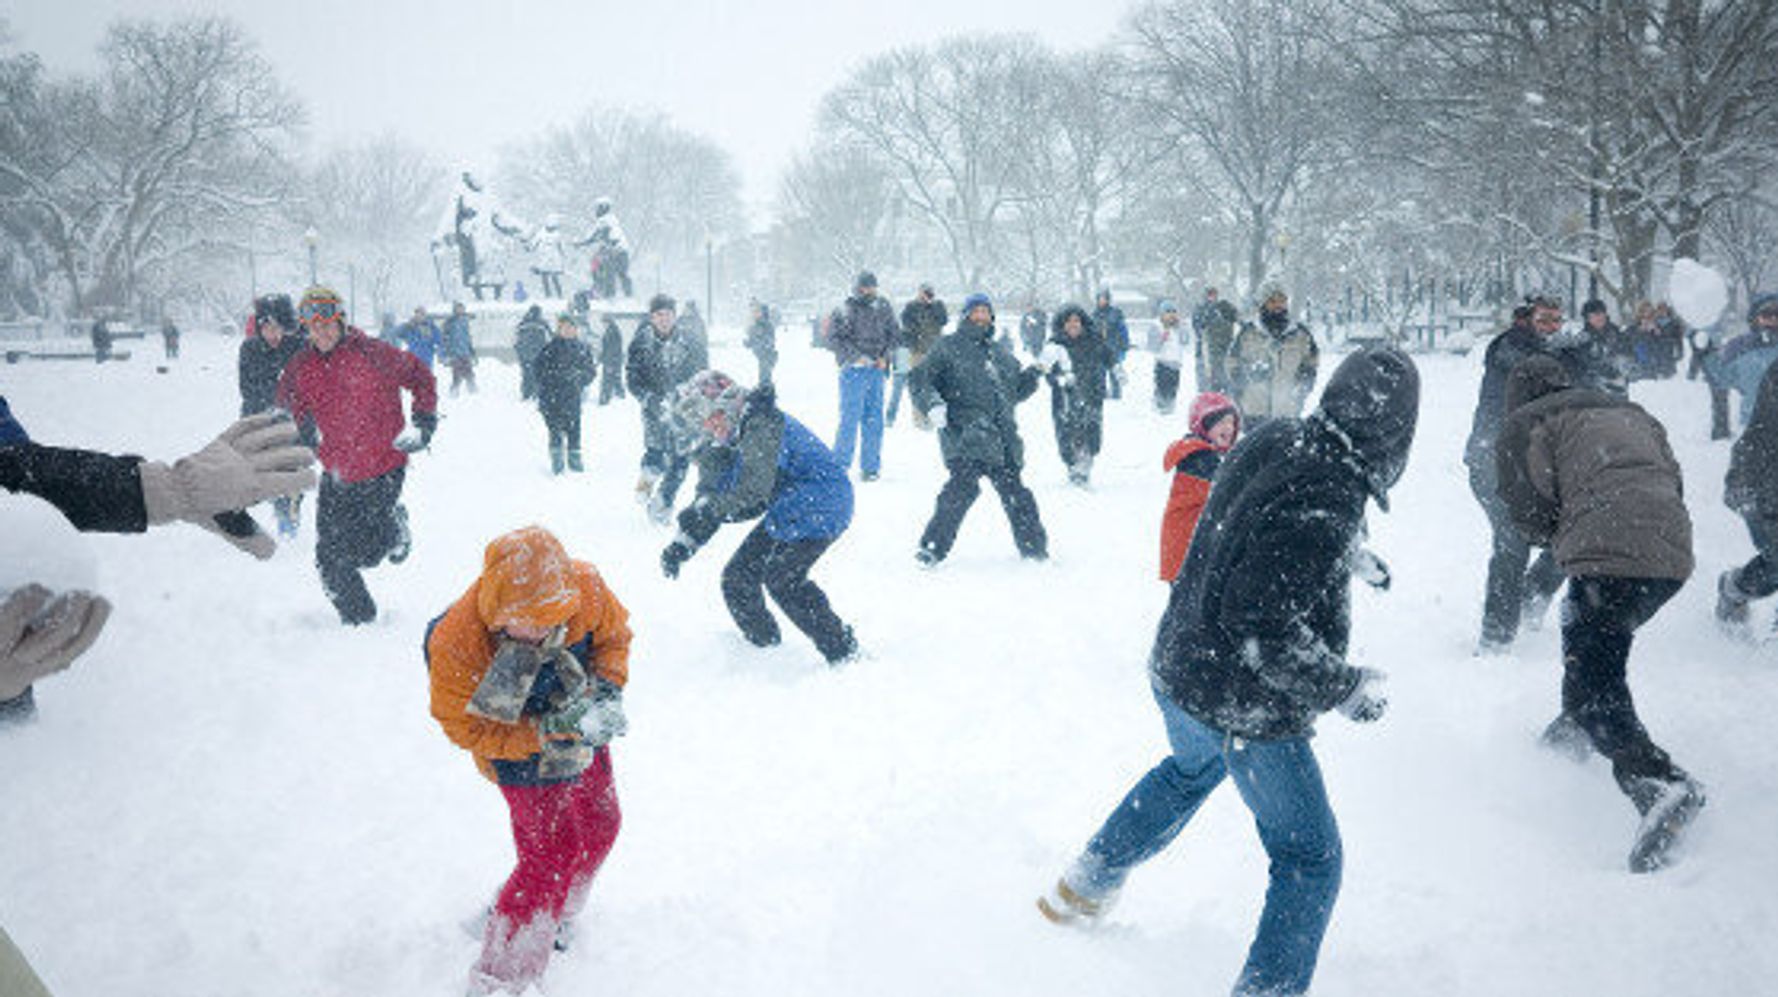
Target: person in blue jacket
421,337
754,461
1741,365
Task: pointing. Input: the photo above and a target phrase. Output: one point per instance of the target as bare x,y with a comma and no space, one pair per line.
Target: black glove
677,553
425,424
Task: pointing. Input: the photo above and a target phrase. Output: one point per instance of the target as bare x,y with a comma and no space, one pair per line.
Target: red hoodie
353,394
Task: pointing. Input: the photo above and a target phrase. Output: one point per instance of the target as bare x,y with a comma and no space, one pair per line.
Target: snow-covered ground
233,795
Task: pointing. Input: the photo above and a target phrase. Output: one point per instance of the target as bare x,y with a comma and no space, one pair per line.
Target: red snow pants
562,833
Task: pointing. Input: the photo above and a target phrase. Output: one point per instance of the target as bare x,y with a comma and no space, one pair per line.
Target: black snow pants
1166,387
1758,578
354,529
1599,621
562,419
1079,423
960,492
763,564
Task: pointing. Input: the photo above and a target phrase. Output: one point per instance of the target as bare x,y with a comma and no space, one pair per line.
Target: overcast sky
464,77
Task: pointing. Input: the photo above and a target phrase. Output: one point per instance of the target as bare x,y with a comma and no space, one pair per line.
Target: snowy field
233,795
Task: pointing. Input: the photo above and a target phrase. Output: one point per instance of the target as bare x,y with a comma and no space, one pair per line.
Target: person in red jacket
1215,422
345,389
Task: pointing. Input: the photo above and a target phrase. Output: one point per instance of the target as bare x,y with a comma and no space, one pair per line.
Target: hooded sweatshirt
1253,640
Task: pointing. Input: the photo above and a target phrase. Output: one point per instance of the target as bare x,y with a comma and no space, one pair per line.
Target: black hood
1060,319
1534,377
1373,401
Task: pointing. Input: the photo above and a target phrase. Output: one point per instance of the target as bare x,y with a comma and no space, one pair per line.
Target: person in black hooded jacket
1252,649
1077,388
967,389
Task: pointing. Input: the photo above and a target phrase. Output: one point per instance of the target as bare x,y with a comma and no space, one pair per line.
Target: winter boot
1731,603
555,460
926,557
1667,810
574,463
1566,737
404,539
1064,906
659,511
846,651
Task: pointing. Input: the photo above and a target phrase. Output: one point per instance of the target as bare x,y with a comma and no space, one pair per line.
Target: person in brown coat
1591,476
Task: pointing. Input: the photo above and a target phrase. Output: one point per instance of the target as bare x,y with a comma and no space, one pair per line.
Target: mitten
42,633
675,555
253,460
420,437
935,416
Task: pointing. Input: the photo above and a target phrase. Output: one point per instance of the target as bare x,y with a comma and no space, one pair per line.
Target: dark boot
574,463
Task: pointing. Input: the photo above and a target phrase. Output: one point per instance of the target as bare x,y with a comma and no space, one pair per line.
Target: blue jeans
1281,783
861,415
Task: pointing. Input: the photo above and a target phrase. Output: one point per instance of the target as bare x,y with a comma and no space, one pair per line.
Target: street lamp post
311,238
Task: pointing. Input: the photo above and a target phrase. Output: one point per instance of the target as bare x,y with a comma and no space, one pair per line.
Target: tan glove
255,459
42,633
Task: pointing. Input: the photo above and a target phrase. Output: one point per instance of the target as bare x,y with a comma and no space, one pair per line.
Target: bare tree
837,201
375,203
177,144
943,120
1249,83
674,190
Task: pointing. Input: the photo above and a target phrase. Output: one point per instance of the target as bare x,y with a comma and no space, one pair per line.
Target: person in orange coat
1214,424
528,669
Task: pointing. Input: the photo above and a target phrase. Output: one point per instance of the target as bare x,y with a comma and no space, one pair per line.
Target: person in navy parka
754,461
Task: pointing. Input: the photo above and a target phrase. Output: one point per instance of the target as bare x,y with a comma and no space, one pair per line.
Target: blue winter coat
422,340
1741,365
776,468
458,345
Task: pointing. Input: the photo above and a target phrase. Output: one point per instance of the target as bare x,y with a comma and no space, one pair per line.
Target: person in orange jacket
1214,424
528,669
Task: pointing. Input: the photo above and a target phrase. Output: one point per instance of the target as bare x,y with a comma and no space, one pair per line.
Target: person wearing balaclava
1591,476
1272,362
1252,650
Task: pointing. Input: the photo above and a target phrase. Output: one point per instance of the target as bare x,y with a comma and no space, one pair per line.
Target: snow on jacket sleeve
731,492
1285,602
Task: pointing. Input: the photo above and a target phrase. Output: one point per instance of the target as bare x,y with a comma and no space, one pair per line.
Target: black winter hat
1373,399
865,279
662,303
1593,306
276,307
1534,377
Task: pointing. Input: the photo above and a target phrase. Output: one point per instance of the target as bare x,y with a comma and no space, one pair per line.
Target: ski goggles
319,311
